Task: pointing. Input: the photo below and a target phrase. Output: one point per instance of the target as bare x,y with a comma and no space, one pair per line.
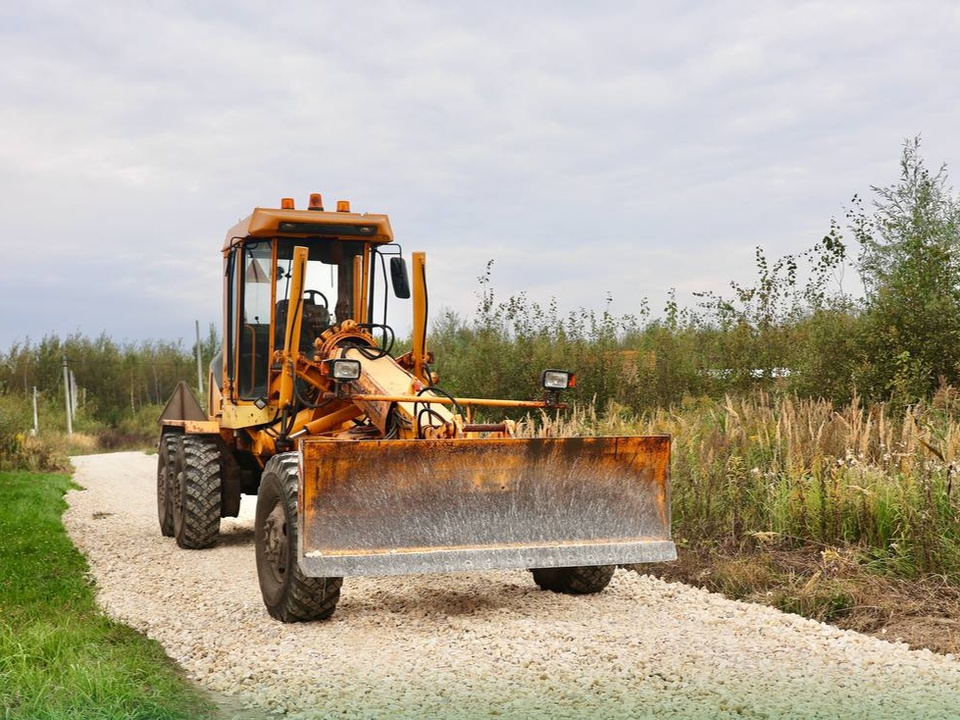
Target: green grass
59,656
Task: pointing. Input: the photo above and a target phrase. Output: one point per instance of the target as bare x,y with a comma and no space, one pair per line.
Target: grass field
60,658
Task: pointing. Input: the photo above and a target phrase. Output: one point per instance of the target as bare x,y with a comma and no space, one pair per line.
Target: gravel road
478,645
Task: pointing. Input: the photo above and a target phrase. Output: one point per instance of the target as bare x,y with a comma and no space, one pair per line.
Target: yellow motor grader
362,464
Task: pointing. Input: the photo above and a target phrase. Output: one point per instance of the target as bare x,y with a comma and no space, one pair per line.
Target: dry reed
803,471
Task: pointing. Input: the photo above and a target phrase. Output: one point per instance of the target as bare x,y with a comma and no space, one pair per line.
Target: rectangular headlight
341,369
556,379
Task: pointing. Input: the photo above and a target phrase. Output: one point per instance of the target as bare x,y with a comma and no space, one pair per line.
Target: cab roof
273,222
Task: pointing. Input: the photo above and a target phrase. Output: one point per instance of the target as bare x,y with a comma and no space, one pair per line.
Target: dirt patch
830,586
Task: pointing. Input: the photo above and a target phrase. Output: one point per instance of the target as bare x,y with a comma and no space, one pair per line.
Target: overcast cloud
588,148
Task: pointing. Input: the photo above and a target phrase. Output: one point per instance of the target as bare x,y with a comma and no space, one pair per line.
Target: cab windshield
266,279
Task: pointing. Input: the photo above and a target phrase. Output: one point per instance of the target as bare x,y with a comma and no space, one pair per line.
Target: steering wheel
311,296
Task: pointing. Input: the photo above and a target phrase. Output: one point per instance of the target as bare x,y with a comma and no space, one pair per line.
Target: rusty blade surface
381,507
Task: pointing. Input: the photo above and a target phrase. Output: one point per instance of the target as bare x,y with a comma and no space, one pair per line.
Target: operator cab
346,255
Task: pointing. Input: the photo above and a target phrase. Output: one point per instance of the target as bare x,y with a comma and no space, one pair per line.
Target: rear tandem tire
289,595
166,459
196,492
582,580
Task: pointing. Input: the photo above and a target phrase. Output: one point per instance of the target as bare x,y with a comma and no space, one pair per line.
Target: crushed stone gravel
485,645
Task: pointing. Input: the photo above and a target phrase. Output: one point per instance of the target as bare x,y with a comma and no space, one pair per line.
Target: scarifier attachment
386,507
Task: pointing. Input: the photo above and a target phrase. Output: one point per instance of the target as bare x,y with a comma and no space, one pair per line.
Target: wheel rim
276,545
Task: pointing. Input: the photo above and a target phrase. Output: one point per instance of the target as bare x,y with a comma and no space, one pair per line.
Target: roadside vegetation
847,514
60,657
816,429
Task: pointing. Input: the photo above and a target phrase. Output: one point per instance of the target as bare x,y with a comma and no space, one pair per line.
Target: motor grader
361,463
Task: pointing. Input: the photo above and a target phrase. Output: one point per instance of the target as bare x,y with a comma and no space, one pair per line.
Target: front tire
289,595
166,461
196,492
583,580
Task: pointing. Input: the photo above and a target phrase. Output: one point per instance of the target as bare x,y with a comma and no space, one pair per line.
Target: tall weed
800,471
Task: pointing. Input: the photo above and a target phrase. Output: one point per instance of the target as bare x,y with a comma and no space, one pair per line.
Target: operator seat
316,319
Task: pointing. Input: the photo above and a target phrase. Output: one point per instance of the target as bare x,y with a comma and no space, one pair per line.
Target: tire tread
166,460
581,580
199,488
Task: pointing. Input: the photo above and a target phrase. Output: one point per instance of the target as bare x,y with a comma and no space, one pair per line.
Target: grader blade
390,507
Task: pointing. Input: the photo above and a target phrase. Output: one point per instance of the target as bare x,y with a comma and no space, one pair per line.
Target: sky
589,149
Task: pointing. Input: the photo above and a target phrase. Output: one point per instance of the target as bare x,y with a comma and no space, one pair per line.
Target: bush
15,422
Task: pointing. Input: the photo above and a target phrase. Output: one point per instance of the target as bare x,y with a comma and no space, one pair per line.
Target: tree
759,330
910,266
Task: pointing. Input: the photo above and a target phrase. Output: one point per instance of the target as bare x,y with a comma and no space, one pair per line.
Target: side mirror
399,277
